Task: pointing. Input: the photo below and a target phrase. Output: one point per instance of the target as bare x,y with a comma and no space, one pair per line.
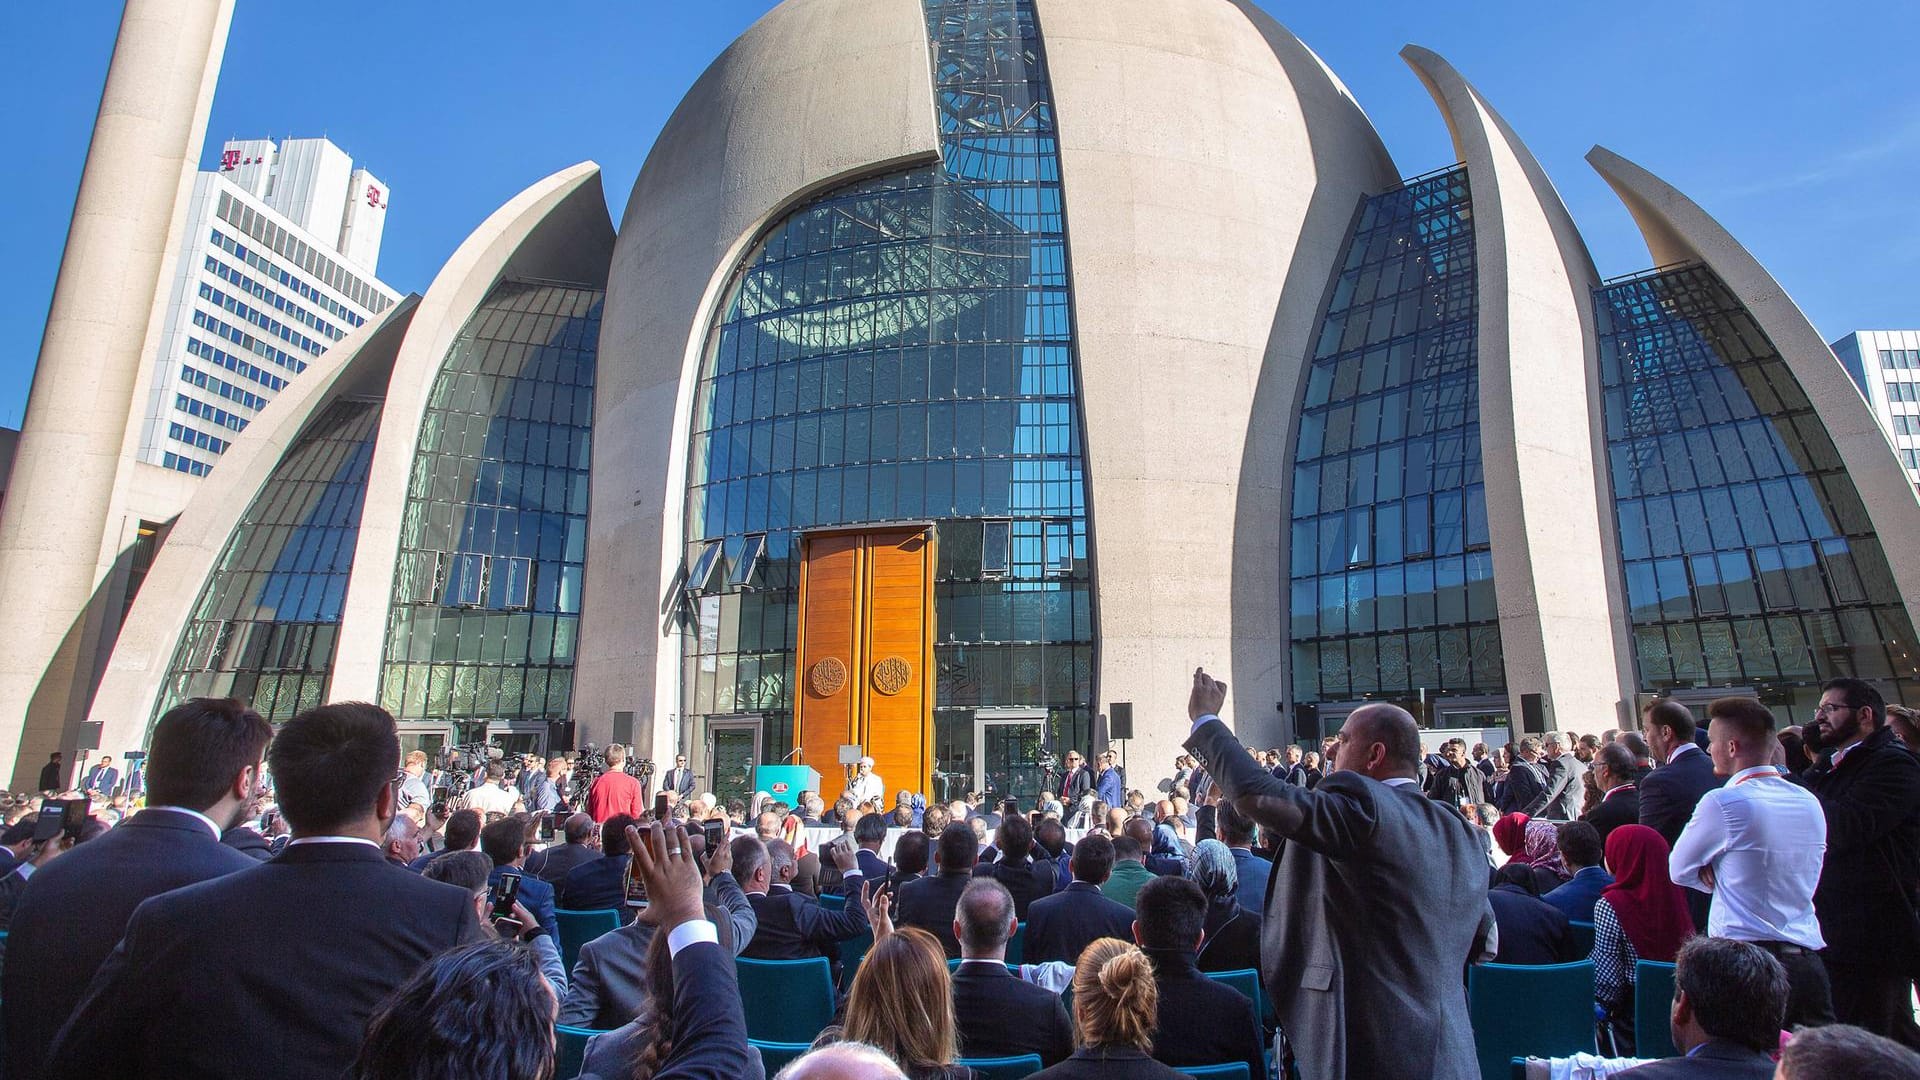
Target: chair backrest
1247,981
576,928
853,951
1652,1010
1544,1010
786,1001
833,901
1017,946
570,1049
1233,1070
1580,938
1003,1068
774,1056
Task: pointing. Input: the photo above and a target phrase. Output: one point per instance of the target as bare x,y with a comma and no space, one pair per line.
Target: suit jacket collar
1725,1050
986,969
325,853
157,817
1081,887
1173,963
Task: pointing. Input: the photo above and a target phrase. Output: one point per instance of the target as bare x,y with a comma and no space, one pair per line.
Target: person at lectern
867,785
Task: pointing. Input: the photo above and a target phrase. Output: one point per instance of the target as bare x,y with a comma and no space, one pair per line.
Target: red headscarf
1651,908
1510,832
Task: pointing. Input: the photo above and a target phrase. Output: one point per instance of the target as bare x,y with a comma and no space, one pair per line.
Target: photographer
474,872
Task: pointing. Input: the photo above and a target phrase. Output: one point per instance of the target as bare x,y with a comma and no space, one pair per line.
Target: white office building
277,263
1886,365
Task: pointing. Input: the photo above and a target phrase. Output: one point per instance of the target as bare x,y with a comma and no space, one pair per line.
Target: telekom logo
229,160
374,197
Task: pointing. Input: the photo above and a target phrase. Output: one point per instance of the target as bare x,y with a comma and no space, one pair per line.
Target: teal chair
1580,938
570,1049
1233,1070
1652,1010
852,952
774,1056
1017,946
786,1001
1003,1068
576,928
1247,981
833,901
1557,1019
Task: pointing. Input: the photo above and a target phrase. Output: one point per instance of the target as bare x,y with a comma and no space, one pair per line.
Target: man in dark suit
870,834
1869,786
910,857
1201,1022
930,902
1358,852
1532,931
679,779
599,884
1074,782
505,842
201,777
275,969
552,864
1061,925
1251,870
1729,1001
609,981
1669,793
1000,1015
1582,852
1525,791
50,774
1014,866
103,778
791,926
1613,770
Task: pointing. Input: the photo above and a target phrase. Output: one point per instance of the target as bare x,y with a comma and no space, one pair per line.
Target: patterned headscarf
1543,848
1214,869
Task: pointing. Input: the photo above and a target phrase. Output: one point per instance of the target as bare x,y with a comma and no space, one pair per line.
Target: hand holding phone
505,895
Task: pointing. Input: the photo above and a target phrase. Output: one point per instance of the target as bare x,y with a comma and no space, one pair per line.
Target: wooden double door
866,653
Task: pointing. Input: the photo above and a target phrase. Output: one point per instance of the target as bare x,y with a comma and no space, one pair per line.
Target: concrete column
62,494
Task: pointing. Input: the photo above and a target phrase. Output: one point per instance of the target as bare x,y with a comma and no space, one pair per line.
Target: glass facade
1749,558
901,349
1391,579
264,627
486,592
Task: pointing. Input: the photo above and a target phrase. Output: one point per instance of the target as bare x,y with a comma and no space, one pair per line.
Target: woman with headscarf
1232,941
1641,916
1534,861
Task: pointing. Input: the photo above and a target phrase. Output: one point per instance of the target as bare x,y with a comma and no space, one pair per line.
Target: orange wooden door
866,643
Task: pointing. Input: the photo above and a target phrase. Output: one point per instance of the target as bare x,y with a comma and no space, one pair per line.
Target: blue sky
1796,124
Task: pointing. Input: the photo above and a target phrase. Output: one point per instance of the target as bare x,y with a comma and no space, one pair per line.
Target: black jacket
1202,1022
929,904
796,927
1061,925
709,1022
1717,1060
1002,1016
1870,885
1071,786
1026,879
76,909
1233,938
1116,1063
270,971
1620,808
1525,791
595,885
1669,793
1532,931
552,865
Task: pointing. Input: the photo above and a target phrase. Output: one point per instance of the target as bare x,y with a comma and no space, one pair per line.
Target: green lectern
786,782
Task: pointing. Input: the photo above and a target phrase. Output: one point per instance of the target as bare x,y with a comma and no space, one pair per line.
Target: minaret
70,502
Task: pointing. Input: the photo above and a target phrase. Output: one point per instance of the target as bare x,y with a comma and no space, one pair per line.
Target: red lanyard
1776,774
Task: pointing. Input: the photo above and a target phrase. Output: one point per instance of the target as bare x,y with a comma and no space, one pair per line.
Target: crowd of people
311,902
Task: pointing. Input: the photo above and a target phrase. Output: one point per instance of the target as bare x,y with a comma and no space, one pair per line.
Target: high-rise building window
902,349
486,594
1750,560
1391,578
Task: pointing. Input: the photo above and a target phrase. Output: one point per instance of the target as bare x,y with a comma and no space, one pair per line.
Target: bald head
1379,741
842,1061
1139,830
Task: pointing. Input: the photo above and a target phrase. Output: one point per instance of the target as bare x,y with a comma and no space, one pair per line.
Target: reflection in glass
1391,587
901,349
487,588
264,627
1749,558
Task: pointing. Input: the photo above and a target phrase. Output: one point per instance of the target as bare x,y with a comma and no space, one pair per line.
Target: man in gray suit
1566,778
1375,903
609,983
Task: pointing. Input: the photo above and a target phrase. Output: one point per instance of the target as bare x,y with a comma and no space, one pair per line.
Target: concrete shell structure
971,370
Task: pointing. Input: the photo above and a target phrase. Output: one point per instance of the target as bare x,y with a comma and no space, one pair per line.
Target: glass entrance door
1006,751
733,749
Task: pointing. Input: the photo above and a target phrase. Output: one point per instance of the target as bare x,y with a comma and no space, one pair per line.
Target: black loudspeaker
1306,722
559,736
88,736
623,728
1533,714
1120,720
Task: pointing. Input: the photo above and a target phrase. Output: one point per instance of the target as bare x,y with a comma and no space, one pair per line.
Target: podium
785,782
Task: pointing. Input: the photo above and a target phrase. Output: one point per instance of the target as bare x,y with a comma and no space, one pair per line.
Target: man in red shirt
614,792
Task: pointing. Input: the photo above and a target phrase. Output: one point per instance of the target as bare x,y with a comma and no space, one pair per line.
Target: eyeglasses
1826,709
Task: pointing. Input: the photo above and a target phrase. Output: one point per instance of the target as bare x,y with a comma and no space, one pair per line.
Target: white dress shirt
866,787
491,798
1765,838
